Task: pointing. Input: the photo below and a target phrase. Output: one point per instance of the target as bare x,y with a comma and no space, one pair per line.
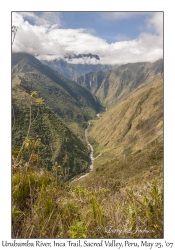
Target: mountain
70,101
69,69
114,85
59,122
128,140
59,143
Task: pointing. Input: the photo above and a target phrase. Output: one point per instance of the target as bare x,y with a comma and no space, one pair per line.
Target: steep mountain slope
113,86
73,103
59,143
71,70
128,139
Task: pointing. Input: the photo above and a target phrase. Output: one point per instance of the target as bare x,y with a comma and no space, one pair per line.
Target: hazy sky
117,37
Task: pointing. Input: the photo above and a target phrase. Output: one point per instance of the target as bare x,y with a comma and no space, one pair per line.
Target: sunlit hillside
113,86
129,137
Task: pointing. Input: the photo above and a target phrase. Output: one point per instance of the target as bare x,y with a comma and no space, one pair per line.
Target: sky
116,37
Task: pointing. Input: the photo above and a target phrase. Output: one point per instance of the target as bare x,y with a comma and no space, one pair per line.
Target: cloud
46,19
34,39
77,40
54,18
83,61
31,17
17,19
153,42
90,31
50,42
156,23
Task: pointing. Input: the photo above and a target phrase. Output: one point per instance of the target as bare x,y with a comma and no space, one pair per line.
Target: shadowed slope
73,103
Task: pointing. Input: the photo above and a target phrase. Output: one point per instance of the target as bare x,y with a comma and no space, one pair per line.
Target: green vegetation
58,142
70,101
59,123
123,196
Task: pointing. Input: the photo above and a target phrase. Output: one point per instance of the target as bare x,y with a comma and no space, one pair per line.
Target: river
91,156
92,150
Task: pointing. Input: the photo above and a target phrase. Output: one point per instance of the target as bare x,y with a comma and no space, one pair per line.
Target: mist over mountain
84,56
69,69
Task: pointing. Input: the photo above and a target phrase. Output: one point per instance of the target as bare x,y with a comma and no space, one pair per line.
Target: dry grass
137,117
41,209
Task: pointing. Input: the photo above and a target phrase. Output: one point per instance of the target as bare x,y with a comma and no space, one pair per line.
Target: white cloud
86,60
90,31
156,22
48,40
54,18
77,40
34,39
32,17
46,19
17,19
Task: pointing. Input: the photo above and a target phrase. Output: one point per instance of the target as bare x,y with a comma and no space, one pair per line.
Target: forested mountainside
114,85
73,103
57,142
71,70
59,122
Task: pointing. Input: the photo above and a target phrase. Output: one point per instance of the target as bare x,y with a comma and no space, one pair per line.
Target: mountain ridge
70,101
114,85
128,139
70,70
